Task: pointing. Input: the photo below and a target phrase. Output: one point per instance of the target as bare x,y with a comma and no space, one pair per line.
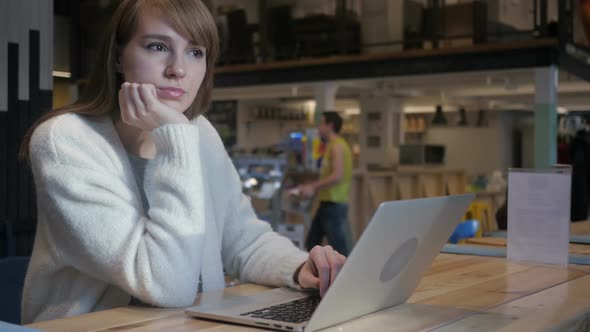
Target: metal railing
280,36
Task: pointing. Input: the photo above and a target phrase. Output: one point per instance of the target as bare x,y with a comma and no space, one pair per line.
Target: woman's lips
170,92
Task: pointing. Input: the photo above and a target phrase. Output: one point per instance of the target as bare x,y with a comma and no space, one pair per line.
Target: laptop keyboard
297,311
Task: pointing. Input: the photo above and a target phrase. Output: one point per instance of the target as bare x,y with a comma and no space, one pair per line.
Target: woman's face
157,54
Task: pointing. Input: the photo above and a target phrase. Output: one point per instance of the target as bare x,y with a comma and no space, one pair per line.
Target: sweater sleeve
254,253
97,226
250,250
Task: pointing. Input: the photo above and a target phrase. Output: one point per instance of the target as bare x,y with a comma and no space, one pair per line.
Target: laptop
383,269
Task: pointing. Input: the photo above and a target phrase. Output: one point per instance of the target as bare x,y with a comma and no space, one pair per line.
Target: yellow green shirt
337,193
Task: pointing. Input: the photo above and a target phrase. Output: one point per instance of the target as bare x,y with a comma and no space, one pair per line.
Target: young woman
138,200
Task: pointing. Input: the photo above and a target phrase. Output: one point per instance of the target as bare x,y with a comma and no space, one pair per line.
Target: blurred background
438,97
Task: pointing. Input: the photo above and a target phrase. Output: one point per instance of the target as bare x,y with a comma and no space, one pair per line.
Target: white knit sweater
95,245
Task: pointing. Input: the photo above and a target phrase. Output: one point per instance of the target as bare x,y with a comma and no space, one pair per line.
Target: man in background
332,188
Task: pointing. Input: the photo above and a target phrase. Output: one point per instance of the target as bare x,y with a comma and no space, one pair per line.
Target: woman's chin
178,107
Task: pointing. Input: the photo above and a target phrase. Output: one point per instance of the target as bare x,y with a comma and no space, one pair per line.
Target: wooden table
457,293
580,228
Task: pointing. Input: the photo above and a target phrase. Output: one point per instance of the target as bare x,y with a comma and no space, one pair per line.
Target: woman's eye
157,47
197,53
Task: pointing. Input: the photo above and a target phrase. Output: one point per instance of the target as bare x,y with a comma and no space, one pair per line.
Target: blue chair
464,230
12,281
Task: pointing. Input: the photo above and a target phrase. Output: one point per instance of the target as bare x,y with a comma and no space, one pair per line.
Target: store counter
579,232
457,293
580,228
371,188
575,248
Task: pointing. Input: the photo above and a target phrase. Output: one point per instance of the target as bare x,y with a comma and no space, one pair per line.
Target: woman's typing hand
320,269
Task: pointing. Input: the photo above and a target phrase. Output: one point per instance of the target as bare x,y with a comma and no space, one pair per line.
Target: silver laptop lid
388,261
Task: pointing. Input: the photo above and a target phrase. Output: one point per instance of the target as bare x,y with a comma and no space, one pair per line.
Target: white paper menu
539,215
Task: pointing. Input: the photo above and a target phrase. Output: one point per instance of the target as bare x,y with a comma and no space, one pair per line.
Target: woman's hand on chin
141,108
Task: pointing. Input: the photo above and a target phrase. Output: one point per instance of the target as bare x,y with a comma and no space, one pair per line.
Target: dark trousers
331,220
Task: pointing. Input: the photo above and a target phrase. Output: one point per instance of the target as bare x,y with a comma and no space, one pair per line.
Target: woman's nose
176,68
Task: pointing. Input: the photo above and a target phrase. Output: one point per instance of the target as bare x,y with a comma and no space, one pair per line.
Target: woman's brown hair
190,17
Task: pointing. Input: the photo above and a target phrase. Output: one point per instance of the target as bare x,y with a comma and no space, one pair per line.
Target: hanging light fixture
462,117
482,120
439,116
